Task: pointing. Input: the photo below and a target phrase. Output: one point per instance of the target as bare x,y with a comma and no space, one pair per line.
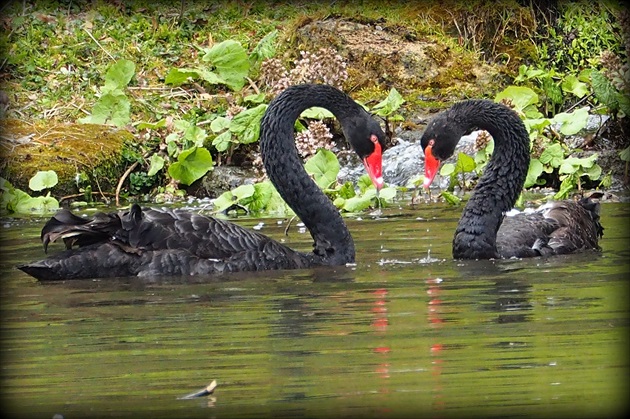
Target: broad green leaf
571,84
534,171
222,141
574,122
388,193
552,90
111,108
520,96
624,104
230,61
191,165
465,163
37,205
195,135
604,90
347,190
157,163
235,196
149,125
43,180
447,169
265,48
324,167
246,125
316,112
390,104
364,183
450,198
594,172
260,198
357,203
258,98
220,123
179,76
118,75
625,154
552,155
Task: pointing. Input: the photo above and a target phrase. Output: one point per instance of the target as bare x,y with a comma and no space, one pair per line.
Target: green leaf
571,84
534,171
357,203
149,125
364,183
604,91
195,135
246,125
552,90
625,154
220,123
118,75
157,163
574,122
390,104
258,98
450,198
226,199
316,112
179,76
388,193
552,155
324,167
261,197
465,163
111,108
191,165
37,205
520,96
265,48
222,141
43,180
447,169
230,61
347,190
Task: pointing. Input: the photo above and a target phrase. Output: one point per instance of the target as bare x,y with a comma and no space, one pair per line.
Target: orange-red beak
374,164
431,166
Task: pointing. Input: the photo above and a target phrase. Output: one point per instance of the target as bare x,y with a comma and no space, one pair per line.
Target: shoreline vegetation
151,101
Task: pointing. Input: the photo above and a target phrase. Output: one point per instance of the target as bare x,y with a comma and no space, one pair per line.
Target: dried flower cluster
307,143
482,140
234,110
324,66
615,70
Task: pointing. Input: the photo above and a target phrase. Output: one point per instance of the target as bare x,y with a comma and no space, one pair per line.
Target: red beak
374,164
431,165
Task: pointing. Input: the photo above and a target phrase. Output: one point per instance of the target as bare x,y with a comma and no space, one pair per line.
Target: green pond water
406,332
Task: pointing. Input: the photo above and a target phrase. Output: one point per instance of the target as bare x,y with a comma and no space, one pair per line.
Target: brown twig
77,195
122,180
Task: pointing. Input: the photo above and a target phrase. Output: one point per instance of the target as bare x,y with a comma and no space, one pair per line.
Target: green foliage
191,165
465,164
113,106
14,200
389,105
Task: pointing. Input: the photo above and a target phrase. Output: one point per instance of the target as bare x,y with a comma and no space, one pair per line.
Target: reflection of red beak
431,165
374,164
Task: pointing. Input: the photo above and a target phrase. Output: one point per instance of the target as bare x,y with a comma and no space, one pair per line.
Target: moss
71,150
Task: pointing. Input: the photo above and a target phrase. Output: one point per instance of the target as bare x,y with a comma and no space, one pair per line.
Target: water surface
405,331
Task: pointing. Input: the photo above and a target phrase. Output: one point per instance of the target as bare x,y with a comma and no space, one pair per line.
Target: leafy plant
15,200
113,106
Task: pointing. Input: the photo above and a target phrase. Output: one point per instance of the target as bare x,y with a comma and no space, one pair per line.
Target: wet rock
222,179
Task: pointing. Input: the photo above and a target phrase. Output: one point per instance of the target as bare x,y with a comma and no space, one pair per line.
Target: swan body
487,229
143,242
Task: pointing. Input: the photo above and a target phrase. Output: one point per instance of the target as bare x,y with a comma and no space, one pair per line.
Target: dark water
406,331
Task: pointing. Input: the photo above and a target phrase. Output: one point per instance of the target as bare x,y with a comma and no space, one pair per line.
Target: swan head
367,139
438,143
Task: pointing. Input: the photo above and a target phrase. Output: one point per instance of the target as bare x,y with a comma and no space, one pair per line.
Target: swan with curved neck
484,231
173,242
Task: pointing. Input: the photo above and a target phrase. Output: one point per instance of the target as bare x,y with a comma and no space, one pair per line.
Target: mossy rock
384,57
90,152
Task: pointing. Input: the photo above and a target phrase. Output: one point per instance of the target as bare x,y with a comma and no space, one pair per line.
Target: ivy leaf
230,61
118,75
191,164
43,180
324,167
246,125
390,104
157,163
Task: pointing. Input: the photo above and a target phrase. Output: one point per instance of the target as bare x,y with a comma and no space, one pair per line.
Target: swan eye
431,142
374,138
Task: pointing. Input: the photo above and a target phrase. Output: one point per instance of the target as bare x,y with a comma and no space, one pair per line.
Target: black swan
484,231
173,242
